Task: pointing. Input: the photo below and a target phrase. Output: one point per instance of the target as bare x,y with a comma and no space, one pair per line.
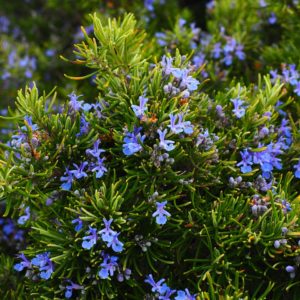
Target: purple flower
186,81
45,265
166,63
90,240
95,152
297,89
70,288
84,126
246,161
217,51
23,219
185,295
240,54
108,267
156,286
79,171
68,180
116,245
297,169
238,110
133,142
161,214
272,19
79,225
165,144
167,292
107,233
24,264
139,110
76,105
181,126
99,167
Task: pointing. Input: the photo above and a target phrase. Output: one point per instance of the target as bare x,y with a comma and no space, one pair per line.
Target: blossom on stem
161,214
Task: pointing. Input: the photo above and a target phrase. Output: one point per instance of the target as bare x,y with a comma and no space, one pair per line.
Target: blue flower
168,145
90,240
246,161
239,111
297,169
24,264
79,225
79,171
133,142
68,180
70,288
76,105
217,51
166,63
167,292
96,151
156,286
99,167
161,214
272,19
107,233
84,126
181,126
45,265
116,245
108,267
184,295
23,219
139,110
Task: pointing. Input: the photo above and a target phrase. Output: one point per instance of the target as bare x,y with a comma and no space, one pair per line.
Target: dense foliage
168,165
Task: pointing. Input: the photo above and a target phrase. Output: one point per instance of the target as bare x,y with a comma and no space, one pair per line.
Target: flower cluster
164,292
41,263
109,236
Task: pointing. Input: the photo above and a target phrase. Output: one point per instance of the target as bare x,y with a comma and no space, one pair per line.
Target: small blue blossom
45,265
90,240
79,223
79,171
107,233
166,294
181,126
24,264
140,109
84,126
239,111
108,266
185,295
166,63
133,142
272,19
246,161
168,145
99,167
96,151
161,214
68,180
70,288
297,169
76,105
23,219
116,245
156,286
